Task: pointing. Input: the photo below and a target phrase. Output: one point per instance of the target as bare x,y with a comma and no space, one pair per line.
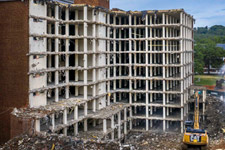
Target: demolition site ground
152,140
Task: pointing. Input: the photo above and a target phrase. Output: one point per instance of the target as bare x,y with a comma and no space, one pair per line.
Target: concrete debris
215,120
154,141
55,142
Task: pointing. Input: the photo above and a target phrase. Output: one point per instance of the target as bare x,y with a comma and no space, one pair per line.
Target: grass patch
206,79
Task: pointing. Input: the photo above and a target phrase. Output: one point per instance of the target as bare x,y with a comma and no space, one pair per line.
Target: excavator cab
189,124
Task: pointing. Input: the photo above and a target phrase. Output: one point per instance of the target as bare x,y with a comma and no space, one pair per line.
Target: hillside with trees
206,52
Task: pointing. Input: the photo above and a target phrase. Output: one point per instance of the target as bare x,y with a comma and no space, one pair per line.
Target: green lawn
206,79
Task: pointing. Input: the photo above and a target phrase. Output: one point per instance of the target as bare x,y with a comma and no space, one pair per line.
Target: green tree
199,60
207,54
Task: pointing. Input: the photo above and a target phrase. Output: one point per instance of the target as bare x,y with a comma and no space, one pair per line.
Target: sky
205,12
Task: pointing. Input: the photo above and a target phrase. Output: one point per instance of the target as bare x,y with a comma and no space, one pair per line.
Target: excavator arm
196,122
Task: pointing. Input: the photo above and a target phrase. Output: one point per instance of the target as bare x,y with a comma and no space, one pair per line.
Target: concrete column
53,121
65,131
94,123
67,50
76,49
50,44
94,105
119,125
146,71
94,59
114,59
108,61
130,59
125,119
65,116
56,50
135,57
104,126
182,127
85,109
164,117
204,98
167,125
85,125
85,50
120,58
182,100
131,125
37,125
76,112
76,129
112,126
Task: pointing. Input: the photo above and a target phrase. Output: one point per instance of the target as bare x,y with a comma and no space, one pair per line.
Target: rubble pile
55,142
215,120
154,141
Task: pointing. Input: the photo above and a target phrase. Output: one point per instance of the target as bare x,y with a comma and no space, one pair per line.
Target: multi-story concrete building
90,67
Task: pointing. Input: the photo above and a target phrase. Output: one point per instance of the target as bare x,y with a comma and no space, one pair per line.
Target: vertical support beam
131,125
203,98
130,59
67,56
146,70
85,109
76,116
56,50
76,129
120,58
104,126
182,69
49,45
85,125
94,122
37,125
65,131
125,121
65,121
114,58
94,59
65,116
53,121
94,105
108,60
119,125
167,125
112,126
135,57
76,56
76,113
85,50
164,74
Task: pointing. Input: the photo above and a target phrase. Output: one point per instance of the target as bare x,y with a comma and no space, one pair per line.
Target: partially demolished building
98,73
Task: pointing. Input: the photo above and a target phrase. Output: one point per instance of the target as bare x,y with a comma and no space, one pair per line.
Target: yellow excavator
194,136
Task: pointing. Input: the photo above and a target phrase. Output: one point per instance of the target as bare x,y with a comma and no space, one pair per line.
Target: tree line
206,52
